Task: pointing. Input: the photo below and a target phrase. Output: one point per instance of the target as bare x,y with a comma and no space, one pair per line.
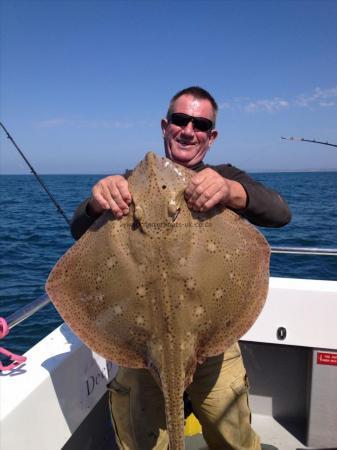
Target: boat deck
272,434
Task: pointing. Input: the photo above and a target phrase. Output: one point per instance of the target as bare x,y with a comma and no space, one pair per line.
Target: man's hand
110,193
207,189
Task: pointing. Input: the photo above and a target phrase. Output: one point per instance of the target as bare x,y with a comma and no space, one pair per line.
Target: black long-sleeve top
265,207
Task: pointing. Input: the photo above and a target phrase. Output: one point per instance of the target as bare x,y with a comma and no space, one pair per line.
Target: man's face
187,145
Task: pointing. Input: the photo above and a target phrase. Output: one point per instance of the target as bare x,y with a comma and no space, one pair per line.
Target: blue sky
84,84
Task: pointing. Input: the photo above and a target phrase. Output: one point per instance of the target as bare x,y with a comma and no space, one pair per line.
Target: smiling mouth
185,143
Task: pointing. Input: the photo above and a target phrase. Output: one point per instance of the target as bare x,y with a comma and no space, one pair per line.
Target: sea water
33,236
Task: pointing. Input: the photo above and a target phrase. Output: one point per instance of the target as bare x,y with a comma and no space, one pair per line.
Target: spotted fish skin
163,288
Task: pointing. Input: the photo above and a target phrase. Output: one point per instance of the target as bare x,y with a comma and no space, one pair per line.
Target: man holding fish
219,391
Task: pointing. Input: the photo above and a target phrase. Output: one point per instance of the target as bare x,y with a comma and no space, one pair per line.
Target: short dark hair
196,92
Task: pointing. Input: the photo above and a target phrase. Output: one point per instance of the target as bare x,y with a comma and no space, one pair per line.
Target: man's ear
212,136
163,124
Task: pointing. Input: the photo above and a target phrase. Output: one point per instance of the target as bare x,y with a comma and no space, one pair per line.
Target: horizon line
119,173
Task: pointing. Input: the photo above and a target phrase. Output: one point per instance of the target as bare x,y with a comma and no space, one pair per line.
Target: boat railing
25,312
315,251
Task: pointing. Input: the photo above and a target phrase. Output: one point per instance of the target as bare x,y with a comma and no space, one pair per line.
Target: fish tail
173,389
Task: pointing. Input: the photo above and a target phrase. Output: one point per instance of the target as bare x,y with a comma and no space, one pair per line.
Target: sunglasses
199,123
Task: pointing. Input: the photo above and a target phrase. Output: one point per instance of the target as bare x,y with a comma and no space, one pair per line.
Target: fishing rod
58,207
313,141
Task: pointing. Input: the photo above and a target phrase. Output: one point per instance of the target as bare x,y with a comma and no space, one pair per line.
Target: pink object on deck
4,330
16,359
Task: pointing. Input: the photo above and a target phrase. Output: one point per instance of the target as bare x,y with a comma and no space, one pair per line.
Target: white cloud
273,105
80,123
318,98
102,124
225,105
51,123
325,104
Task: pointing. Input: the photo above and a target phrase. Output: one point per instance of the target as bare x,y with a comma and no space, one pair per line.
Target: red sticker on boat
327,358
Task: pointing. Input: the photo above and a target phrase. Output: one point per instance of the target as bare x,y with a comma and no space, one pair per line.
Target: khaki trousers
219,398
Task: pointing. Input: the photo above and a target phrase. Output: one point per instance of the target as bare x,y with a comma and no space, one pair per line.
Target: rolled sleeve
81,221
265,207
